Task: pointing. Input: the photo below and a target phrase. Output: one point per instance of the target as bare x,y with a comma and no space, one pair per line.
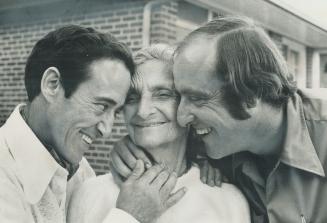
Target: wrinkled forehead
151,75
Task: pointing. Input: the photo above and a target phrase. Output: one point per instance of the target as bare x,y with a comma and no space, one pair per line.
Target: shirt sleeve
119,216
12,208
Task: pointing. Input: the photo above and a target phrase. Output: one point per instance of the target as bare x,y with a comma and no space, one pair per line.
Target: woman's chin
147,142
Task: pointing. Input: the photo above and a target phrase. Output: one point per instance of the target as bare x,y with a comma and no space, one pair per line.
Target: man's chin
214,153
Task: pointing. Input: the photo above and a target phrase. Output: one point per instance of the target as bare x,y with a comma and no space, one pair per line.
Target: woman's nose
145,108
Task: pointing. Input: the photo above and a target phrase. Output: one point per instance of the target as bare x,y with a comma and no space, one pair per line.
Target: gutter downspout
146,27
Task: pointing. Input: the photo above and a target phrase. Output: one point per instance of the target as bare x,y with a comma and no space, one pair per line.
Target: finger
175,197
138,153
119,166
167,188
151,174
204,171
117,177
137,171
123,150
161,179
211,176
218,177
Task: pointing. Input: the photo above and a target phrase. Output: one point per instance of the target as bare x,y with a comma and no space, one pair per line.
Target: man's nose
106,124
184,116
145,108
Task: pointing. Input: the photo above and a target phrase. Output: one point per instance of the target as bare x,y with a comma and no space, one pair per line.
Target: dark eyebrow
190,91
107,100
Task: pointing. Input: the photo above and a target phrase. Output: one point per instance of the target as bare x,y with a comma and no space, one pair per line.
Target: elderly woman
150,114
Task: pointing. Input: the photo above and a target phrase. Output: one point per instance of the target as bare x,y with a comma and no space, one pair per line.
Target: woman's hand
123,158
146,195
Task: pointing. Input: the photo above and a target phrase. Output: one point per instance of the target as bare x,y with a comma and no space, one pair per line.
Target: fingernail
148,165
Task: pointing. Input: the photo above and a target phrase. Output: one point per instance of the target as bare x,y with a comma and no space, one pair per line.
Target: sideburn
235,105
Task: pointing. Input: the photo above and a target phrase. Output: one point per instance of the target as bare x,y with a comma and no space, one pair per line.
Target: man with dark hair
237,95
76,80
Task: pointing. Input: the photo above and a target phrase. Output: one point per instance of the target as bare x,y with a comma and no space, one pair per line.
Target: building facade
140,23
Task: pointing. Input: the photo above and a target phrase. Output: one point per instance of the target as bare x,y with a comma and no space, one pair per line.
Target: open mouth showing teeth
87,139
154,124
203,131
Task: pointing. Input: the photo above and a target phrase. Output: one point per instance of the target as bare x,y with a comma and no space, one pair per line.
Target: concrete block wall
121,18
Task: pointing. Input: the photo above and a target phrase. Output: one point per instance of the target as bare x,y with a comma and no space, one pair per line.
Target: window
293,62
190,17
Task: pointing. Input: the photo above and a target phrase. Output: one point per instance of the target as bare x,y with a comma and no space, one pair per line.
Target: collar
35,165
298,150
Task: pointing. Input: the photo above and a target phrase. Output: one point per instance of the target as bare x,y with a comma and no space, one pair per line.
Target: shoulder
226,203
95,187
6,158
8,170
93,199
226,191
12,199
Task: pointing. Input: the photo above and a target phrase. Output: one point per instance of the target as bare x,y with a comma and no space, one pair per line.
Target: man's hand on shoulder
146,195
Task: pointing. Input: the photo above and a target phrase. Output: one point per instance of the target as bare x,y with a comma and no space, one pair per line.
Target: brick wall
121,18
163,23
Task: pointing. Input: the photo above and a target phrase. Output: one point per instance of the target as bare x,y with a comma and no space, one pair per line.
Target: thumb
137,171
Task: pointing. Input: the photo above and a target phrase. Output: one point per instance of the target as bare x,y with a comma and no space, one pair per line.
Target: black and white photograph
163,111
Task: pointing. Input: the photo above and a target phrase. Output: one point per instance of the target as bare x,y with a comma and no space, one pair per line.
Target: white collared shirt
33,186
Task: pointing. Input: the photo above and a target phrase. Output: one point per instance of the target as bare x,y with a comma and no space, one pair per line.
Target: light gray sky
313,10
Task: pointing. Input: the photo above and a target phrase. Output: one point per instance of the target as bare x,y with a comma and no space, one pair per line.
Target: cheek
169,109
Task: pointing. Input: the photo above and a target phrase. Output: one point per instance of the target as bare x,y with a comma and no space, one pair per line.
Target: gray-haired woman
150,113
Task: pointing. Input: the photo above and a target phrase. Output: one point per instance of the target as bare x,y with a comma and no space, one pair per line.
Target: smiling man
236,94
76,80
269,136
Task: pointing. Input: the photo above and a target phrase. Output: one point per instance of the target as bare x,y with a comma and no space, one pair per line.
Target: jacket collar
35,165
298,150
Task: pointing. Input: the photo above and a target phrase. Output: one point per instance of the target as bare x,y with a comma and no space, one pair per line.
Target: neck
33,114
271,133
171,154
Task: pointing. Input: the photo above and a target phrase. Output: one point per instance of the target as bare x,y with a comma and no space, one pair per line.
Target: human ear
50,83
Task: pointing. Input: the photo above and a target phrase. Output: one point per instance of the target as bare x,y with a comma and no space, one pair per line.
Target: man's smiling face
202,104
89,112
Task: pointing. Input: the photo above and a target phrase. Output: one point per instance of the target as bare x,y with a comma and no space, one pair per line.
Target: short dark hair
71,49
248,62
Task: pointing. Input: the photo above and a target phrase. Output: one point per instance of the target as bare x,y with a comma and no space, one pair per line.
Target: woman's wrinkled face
151,106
